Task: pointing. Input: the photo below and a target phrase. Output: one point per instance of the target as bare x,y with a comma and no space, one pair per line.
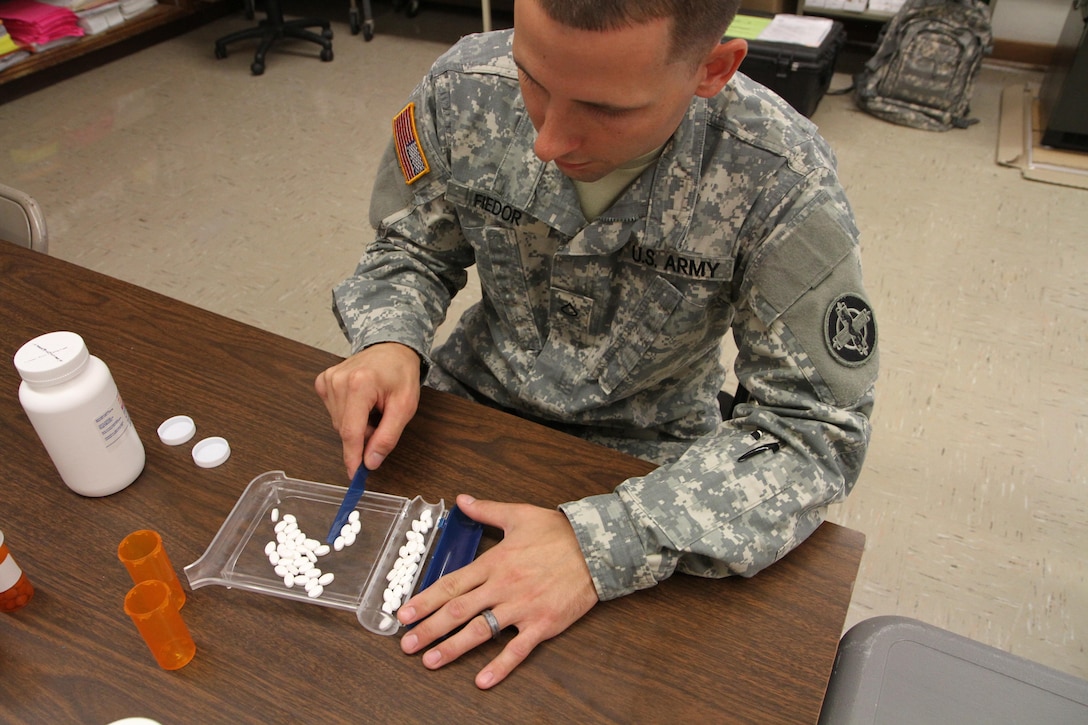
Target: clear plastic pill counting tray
271,543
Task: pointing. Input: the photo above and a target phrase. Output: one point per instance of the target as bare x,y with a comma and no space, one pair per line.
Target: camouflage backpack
925,64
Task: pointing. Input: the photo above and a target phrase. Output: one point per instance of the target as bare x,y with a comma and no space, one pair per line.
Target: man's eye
526,78
607,112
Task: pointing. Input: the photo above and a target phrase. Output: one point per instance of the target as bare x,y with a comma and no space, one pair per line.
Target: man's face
598,99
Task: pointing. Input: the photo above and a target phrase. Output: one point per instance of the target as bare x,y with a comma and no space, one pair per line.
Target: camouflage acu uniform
612,328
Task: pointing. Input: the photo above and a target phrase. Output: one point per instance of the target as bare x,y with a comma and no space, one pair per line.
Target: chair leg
274,27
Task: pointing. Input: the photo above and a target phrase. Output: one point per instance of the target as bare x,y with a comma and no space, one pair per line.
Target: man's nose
556,137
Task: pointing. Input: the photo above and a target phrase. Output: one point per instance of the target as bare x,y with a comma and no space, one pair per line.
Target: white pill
273,558
392,574
386,623
281,538
279,527
269,547
315,592
356,527
301,579
275,515
410,568
390,595
311,544
417,526
425,514
353,517
281,570
326,578
388,607
289,518
289,581
349,539
304,566
338,544
322,550
345,529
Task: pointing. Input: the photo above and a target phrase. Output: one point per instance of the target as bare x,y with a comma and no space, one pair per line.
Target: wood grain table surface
689,650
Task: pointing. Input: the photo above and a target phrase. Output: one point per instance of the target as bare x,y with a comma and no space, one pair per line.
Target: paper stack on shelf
10,53
101,17
96,16
37,25
7,45
132,8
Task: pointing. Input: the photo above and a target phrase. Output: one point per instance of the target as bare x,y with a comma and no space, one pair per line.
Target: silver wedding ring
492,622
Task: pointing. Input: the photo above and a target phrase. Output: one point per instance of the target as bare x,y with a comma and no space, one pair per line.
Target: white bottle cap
211,452
51,358
177,430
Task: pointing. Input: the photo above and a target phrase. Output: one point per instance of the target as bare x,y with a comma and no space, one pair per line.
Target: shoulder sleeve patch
413,162
850,330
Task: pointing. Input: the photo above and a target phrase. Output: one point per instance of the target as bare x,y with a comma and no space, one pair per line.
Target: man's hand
382,379
535,579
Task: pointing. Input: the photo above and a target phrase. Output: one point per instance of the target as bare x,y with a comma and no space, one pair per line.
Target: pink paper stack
37,25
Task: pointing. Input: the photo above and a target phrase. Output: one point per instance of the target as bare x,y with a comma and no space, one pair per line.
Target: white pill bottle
73,404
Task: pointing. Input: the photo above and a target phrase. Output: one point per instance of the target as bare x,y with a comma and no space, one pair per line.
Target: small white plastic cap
177,430
211,452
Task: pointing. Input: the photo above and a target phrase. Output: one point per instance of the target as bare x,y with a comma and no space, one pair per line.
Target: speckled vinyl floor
248,196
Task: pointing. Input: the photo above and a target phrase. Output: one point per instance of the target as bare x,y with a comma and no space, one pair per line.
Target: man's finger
513,654
384,439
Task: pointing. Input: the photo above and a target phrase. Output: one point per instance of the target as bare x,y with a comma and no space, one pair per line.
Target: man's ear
719,66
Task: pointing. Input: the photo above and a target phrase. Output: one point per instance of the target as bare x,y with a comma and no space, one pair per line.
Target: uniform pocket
502,277
663,334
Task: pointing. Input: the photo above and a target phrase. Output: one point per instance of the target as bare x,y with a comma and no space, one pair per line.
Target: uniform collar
658,205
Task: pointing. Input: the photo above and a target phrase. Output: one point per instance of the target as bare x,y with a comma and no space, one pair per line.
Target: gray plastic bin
892,670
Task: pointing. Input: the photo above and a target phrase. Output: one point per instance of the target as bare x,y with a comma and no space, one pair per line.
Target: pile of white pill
403,572
348,532
294,556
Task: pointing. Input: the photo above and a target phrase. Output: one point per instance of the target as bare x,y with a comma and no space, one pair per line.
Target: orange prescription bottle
15,589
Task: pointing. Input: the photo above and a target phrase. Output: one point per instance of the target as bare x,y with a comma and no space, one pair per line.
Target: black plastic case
798,73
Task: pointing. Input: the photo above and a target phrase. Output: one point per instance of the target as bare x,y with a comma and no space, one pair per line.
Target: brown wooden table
689,650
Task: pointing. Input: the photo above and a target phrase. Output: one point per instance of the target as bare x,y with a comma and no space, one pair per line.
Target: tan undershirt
596,196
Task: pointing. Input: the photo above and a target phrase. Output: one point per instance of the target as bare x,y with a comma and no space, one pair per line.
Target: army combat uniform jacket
613,328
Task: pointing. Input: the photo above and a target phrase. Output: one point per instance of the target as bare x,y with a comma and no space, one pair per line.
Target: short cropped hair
696,24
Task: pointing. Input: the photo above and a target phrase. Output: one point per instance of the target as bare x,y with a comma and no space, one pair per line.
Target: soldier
628,200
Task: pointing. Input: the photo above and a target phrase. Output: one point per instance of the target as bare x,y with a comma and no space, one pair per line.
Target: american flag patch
413,162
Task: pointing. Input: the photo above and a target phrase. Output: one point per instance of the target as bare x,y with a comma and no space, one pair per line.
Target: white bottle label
113,423
9,573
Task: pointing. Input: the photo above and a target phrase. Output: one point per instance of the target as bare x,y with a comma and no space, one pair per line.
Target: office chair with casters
273,28
21,220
